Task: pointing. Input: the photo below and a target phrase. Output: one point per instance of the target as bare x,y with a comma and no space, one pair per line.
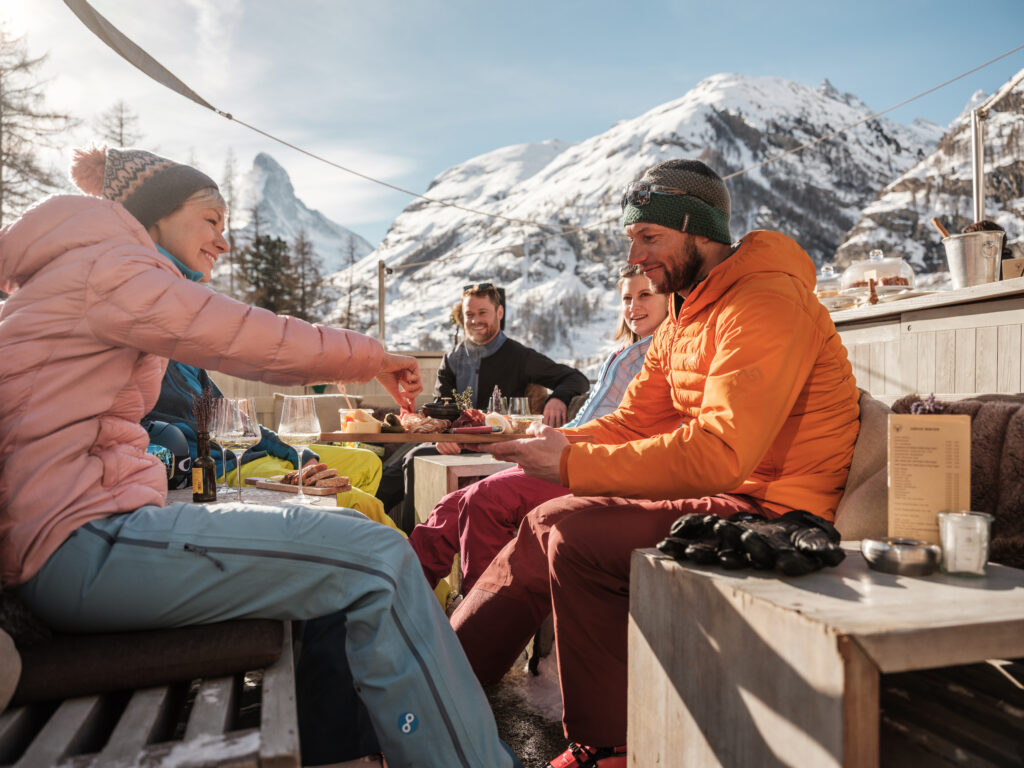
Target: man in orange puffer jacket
746,403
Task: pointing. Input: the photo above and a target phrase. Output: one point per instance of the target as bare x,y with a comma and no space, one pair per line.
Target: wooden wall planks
954,343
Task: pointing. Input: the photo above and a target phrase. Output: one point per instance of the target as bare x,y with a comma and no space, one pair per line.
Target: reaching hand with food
400,376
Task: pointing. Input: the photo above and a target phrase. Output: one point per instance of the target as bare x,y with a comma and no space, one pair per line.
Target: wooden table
437,476
251,495
744,668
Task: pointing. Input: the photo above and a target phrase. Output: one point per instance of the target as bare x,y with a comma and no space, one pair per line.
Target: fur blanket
997,465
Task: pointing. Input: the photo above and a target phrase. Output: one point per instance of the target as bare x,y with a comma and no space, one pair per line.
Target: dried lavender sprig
202,409
928,405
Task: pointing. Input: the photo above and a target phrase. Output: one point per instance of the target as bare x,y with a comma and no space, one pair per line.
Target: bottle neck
203,443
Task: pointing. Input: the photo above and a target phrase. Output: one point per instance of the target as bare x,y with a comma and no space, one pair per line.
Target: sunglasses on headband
639,193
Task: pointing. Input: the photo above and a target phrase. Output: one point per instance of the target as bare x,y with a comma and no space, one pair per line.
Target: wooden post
380,300
978,162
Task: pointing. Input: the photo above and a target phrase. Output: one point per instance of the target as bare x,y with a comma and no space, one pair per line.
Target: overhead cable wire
137,57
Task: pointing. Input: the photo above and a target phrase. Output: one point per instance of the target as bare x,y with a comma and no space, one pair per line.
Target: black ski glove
795,543
709,539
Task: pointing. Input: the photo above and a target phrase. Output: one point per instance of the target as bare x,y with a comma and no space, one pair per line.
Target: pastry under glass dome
891,274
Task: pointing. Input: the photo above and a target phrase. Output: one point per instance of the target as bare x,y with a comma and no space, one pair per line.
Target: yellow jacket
746,389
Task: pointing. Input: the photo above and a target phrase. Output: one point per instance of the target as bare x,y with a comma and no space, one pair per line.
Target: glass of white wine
236,428
299,427
222,421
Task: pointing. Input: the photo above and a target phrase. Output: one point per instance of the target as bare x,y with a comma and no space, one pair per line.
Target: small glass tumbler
965,538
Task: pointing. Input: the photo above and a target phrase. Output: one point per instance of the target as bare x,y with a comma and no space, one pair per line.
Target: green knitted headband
687,214
703,210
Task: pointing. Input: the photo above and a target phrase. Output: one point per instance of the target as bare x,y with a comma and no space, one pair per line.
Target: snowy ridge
899,219
560,283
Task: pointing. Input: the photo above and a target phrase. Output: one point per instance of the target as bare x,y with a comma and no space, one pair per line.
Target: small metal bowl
437,410
904,557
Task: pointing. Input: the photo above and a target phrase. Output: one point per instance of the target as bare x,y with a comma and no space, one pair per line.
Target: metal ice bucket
973,257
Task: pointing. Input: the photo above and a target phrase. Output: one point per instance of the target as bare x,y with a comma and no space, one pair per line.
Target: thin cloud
215,25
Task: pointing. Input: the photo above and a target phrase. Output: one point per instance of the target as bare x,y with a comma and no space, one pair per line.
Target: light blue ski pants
187,564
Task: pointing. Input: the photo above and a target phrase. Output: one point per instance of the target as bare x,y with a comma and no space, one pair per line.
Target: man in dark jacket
488,358
484,359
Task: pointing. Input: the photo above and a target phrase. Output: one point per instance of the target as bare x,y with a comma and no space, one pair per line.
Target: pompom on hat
702,207
148,185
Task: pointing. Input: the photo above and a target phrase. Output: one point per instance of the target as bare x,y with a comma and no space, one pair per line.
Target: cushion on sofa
863,509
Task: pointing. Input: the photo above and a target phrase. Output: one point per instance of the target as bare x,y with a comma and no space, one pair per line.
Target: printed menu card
929,471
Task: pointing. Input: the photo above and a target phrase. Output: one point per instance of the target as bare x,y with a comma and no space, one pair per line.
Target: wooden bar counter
950,343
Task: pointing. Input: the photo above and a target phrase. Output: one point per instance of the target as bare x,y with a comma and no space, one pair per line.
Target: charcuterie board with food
431,437
439,422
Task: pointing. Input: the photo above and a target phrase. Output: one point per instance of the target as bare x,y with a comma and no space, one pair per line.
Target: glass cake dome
890,275
827,290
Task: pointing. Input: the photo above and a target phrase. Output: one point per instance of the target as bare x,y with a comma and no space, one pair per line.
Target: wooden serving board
270,485
428,437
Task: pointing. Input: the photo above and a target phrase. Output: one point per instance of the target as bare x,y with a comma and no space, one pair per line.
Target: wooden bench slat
278,714
211,711
239,749
69,726
135,728
124,729
16,726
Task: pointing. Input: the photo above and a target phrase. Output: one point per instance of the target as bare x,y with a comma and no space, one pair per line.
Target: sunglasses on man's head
474,287
639,193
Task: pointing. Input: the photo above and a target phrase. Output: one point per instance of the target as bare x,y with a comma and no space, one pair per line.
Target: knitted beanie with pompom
149,186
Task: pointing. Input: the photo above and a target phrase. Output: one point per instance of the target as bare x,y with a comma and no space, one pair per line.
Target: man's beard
681,276
483,335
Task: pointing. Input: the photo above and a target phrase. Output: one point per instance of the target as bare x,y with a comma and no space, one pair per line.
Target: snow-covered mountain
899,220
267,190
554,239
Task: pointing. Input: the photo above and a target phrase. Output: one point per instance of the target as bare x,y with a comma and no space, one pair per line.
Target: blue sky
403,89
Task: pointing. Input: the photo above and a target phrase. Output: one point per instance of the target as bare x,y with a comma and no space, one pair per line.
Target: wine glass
518,406
222,421
518,412
237,428
299,427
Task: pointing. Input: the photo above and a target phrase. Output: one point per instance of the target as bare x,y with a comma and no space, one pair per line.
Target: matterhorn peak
267,190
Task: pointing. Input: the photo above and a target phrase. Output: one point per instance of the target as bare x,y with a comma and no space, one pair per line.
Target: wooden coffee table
744,668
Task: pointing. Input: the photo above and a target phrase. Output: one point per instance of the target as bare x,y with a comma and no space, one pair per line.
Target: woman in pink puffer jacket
97,307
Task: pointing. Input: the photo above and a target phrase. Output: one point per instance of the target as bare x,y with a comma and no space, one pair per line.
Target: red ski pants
477,521
572,556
